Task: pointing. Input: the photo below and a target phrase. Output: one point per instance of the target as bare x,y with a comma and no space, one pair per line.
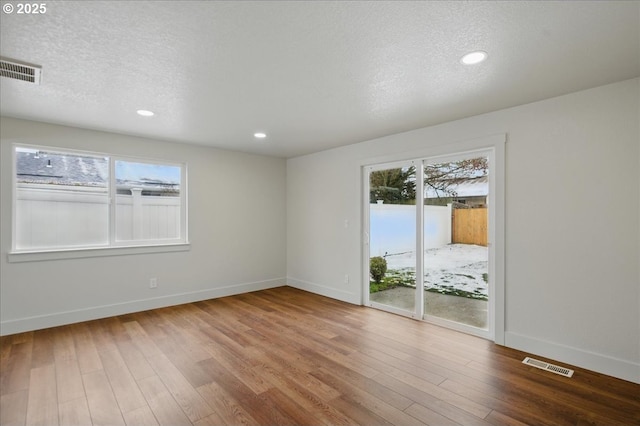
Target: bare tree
442,177
398,186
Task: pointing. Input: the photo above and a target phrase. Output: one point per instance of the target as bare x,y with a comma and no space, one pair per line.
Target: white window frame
113,246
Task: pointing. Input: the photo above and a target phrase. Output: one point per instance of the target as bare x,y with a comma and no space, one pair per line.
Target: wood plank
287,355
429,417
211,420
502,398
304,396
42,351
68,380
165,409
431,394
242,368
74,412
185,395
26,337
196,316
499,419
122,383
63,346
300,343
16,372
180,335
5,348
456,414
136,362
13,408
356,411
235,343
411,375
259,407
86,352
42,407
188,366
357,381
142,416
290,407
101,335
143,341
372,403
295,367
102,403
222,315
395,344
226,407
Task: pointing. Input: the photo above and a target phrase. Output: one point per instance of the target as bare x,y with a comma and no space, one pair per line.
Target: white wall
236,228
572,222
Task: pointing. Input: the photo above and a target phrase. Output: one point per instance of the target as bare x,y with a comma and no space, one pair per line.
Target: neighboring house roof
76,170
61,169
472,187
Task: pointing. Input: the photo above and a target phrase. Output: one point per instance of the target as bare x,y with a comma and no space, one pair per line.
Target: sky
127,170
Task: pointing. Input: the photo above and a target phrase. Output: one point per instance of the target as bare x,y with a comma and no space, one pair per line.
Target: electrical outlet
153,283
346,279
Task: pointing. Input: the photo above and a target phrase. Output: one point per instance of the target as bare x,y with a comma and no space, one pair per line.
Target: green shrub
377,268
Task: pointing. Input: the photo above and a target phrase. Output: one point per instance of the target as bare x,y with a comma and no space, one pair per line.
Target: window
147,201
66,200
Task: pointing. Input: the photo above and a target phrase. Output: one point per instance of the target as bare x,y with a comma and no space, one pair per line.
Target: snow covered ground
452,267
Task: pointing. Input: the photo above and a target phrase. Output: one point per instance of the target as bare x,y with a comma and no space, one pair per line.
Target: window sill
42,255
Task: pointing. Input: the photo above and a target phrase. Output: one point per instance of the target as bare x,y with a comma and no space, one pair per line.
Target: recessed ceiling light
145,113
474,57
259,135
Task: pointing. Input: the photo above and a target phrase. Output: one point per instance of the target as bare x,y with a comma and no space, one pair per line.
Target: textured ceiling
312,75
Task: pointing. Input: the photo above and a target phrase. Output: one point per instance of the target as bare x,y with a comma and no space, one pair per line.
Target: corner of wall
324,291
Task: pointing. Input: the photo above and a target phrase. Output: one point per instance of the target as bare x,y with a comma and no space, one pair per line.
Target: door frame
494,146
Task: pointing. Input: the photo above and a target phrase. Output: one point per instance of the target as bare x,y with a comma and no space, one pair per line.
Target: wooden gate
469,226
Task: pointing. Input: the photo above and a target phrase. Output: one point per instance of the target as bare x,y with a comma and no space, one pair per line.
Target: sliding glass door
428,251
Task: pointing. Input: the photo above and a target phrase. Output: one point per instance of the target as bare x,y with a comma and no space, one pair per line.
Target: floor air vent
548,367
20,71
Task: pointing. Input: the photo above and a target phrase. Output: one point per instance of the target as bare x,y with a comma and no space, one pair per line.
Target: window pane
148,201
62,200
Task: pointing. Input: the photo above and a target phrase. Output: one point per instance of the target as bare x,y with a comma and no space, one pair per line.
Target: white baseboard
69,317
324,291
610,366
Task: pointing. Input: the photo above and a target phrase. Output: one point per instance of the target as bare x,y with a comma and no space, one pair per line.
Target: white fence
80,217
147,218
393,228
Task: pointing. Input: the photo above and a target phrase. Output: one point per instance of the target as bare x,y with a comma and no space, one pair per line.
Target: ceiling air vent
548,367
20,71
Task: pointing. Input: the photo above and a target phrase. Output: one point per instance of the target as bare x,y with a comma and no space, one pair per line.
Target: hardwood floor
287,357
